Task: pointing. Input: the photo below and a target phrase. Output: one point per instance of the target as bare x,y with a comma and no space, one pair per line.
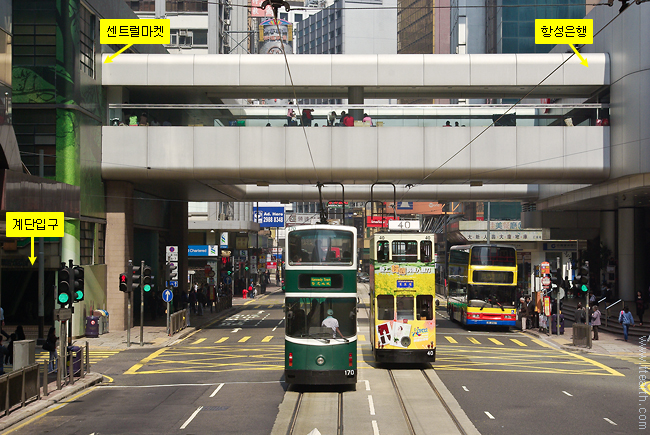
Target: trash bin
92,326
76,356
103,320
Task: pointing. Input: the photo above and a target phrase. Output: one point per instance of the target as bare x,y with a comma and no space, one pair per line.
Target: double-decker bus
321,305
402,296
482,284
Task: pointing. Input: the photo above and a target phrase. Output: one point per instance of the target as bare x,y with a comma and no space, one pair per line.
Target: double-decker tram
321,305
402,292
482,284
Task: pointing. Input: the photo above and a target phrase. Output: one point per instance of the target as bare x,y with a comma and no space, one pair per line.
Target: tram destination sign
325,281
404,225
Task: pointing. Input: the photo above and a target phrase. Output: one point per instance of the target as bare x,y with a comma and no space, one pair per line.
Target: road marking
137,366
568,394
221,340
473,340
183,385
609,421
244,340
465,388
375,428
596,363
235,330
214,393
518,343
495,341
367,385
486,413
200,340
270,306
191,417
362,337
371,405
451,339
267,339
541,343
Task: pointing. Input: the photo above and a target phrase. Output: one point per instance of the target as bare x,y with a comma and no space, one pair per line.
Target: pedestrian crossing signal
124,284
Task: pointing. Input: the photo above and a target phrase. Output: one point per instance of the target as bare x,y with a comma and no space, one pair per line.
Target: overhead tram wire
506,112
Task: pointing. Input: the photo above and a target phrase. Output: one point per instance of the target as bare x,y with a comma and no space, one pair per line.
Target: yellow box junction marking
267,339
221,340
473,340
495,341
133,31
518,343
244,340
136,367
565,31
450,339
200,340
34,224
362,337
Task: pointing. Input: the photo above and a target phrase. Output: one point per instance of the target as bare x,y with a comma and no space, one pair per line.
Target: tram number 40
349,372
430,352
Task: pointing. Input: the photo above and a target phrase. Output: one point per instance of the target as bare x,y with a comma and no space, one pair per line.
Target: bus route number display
321,281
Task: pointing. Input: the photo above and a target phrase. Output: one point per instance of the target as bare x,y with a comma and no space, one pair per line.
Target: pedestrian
367,119
290,114
640,307
307,117
626,319
581,316
456,124
447,124
342,117
532,313
193,299
348,120
331,322
3,354
331,118
523,313
50,346
595,320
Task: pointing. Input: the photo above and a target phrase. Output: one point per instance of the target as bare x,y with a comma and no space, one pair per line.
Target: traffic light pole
141,303
71,306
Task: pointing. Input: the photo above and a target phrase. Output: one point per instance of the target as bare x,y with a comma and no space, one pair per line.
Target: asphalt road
226,379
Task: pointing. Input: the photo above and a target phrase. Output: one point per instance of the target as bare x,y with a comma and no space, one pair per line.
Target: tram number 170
349,372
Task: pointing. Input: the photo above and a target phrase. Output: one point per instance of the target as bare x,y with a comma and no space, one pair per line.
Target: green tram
321,305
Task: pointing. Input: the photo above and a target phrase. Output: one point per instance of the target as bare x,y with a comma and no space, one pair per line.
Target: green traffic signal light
64,298
584,288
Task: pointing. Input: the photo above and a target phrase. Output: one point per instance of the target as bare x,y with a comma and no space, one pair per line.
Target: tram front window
304,317
492,296
405,308
321,247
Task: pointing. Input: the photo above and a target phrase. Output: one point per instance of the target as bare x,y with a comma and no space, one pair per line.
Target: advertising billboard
269,216
257,12
273,33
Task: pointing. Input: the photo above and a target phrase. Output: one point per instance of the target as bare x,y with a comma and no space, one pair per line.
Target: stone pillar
355,96
626,230
119,248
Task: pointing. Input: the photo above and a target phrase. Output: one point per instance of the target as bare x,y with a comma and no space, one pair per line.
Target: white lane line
367,385
568,394
375,428
371,405
609,421
191,417
465,388
278,324
489,415
214,393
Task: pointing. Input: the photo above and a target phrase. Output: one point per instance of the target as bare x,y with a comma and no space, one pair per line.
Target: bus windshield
491,296
493,256
312,317
321,247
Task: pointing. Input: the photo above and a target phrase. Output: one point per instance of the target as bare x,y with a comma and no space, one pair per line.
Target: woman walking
640,307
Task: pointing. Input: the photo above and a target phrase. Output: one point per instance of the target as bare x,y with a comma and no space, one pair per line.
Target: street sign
63,314
228,280
167,295
171,253
546,281
173,283
545,268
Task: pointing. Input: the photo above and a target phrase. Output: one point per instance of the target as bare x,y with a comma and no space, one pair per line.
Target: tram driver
331,322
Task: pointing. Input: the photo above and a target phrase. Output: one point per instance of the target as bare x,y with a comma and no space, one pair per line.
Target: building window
87,242
200,37
101,243
36,130
87,41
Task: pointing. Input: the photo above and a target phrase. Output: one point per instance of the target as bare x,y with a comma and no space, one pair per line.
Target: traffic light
246,267
124,283
582,277
170,272
146,278
63,289
78,288
134,276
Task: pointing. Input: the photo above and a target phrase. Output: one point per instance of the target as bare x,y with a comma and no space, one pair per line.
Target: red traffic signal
124,285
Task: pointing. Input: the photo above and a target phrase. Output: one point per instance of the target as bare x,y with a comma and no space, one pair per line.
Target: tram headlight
320,360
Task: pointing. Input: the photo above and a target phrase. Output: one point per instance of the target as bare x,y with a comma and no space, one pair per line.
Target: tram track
309,408
408,417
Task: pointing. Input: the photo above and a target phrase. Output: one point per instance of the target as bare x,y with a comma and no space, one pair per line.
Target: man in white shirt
331,322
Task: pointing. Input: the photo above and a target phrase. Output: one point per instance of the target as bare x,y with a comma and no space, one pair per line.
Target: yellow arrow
582,59
110,58
32,258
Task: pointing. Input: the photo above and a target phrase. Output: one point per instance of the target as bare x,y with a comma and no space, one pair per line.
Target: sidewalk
153,337
607,344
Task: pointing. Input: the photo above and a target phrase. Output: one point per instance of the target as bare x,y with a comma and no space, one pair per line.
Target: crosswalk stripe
361,337
244,340
258,306
221,340
270,306
517,342
473,340
495,341
450,339
200,340
267,339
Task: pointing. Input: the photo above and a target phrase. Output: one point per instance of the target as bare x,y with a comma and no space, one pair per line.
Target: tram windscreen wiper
315,337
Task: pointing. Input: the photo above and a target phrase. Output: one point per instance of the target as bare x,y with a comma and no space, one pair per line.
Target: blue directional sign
404,283
167,295
228,280
172,283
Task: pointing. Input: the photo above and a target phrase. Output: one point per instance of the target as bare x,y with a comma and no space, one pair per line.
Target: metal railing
20,386
607,310
178,321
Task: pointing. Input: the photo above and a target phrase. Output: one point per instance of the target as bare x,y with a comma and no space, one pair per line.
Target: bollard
82,364
45,379
87,357
59,369
71,371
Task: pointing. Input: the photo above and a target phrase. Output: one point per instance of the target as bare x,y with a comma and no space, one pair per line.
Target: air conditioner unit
182,32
